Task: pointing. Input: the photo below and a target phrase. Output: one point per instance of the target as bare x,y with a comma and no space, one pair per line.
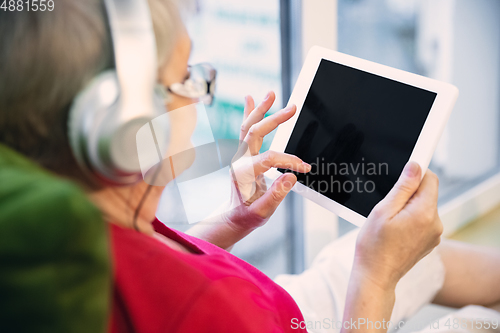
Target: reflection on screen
357,130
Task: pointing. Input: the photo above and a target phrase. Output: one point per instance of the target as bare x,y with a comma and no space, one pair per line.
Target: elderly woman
168,281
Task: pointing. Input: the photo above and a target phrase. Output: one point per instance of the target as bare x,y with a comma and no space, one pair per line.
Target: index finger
259,130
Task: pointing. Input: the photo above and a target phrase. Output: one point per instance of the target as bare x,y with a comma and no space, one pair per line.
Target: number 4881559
27,5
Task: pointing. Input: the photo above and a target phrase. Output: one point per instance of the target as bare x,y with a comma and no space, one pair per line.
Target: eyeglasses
200,84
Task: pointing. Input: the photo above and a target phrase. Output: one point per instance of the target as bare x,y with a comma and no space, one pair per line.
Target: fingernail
307,166
411,169
287,184
288,109
246,99
267,96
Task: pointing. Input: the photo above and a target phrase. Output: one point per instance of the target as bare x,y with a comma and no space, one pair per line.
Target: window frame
304,24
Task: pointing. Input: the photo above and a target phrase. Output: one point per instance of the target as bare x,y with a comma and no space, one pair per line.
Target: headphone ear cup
90,117
86,112
105,144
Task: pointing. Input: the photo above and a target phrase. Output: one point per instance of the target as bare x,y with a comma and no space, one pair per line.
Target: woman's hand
400,230
252,204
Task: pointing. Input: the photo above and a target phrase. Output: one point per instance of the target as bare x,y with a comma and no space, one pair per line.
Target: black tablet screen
357,130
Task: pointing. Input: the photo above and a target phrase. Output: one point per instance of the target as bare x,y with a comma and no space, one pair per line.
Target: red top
159,289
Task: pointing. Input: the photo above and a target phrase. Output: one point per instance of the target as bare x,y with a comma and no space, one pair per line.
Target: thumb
403,190
267,203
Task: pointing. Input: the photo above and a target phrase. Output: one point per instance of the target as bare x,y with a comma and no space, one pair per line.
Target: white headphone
105,116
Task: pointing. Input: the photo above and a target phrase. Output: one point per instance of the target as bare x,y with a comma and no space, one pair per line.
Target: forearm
495,307
400,230
221,233
218,229
472,275
368,305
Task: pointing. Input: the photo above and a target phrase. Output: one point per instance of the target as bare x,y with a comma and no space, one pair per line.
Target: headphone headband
134,52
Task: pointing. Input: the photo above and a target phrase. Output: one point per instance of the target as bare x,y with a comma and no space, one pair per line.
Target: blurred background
259,45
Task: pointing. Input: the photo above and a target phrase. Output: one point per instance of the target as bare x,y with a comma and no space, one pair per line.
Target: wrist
367,299
219,230
380,278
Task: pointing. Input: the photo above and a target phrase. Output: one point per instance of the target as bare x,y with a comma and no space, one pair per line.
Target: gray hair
46,58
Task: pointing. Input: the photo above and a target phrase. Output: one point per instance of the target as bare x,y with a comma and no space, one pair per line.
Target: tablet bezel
428,139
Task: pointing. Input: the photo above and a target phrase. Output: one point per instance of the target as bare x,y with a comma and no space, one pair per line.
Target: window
260,45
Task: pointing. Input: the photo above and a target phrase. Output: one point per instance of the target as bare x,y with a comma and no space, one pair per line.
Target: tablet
358,123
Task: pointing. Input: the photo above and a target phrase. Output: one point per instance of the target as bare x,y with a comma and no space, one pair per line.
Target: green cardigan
55,271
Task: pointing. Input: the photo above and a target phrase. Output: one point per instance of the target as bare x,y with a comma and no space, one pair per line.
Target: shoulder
148,272
230,304
201,293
